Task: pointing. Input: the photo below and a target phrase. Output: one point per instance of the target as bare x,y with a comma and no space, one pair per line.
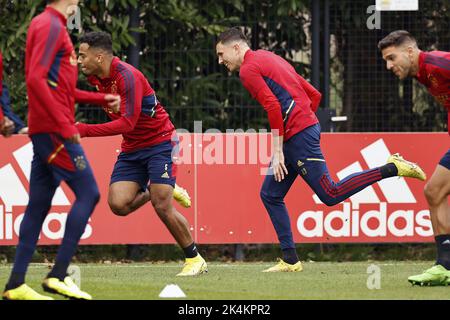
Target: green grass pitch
230,281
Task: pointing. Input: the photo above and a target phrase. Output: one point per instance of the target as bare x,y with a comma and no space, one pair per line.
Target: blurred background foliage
175,41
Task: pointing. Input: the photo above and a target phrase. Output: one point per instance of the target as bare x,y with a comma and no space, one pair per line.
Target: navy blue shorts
59,159
154,164
445,161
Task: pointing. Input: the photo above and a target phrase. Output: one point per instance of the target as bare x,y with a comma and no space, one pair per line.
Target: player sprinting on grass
51,75
147,147
432,69
290,102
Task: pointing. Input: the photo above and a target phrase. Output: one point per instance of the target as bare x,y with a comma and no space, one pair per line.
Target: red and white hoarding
223,174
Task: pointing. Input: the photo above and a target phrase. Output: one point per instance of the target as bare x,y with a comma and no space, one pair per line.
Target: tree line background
176,44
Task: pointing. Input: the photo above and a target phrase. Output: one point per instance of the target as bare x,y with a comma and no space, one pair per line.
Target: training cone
172,291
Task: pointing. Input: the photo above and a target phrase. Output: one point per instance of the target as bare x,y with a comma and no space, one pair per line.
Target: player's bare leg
161,198
437,191
125,197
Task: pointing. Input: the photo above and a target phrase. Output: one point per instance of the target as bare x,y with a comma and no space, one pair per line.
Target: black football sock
59,271
191,251
443,250
15,280
290,256
388,170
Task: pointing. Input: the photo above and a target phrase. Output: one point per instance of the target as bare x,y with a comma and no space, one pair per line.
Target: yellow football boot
282,266
24,292
66,288
406,168
181,196
193,267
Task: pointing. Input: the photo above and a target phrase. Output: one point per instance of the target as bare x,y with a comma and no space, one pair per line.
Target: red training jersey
290,101
51,74
142,120
434,73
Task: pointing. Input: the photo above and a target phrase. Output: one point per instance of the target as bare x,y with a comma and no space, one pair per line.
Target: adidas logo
350,221
165,175
14,177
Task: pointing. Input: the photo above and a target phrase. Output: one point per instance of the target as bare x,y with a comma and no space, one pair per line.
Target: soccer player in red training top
432,69
147,143
6,125
51,74
290,102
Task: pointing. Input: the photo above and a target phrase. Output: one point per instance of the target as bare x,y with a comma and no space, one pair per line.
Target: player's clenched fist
6,127
113,101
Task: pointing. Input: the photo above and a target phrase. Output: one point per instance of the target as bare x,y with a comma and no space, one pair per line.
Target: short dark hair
396,38
98,39
232,34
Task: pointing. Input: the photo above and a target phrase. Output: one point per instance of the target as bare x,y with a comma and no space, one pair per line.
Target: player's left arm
253,81
131,93
312,93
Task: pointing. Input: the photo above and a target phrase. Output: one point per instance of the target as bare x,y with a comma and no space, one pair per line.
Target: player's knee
95,195
43,203
268,197
431,192
118,205
327,200
161,207
88,193
118,208
162,204
263,195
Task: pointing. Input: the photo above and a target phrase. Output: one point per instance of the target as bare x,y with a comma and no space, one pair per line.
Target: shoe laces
184,192
70,283
412,164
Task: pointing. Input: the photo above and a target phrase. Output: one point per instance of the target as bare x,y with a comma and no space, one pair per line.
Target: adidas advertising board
223,174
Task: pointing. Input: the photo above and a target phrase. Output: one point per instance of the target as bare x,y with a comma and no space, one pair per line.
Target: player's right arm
44,43
130,107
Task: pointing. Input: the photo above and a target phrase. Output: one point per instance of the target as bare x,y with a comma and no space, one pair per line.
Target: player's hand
7,127
74,139
278,166
113,101
24,130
